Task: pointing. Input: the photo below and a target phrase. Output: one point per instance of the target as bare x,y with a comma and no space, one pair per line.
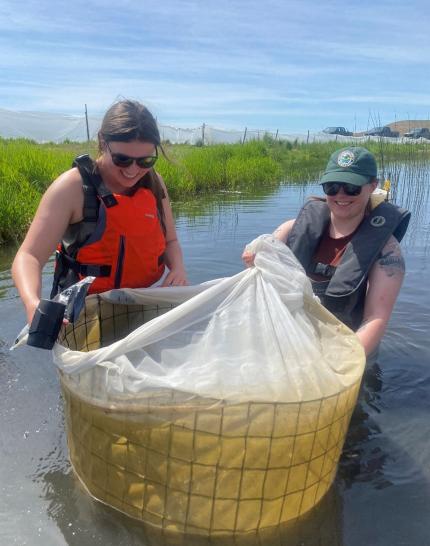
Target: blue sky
291,65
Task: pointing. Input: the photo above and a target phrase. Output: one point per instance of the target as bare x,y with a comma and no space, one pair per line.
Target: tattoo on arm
391,259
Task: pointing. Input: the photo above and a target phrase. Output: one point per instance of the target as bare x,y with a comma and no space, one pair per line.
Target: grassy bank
27,168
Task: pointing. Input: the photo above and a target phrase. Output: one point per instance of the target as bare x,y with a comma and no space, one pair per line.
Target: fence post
276,136
203,134
307,139
244,135
86,122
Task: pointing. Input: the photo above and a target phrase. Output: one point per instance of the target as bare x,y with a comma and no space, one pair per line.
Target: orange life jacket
122,245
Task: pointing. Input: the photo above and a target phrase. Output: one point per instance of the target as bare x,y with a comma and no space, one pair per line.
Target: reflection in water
362,459
212,204
321,526
84,521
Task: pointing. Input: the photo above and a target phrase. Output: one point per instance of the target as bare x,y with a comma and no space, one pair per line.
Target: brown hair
128,120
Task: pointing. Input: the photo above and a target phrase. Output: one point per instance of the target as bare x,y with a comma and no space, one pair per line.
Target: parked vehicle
337,131
384,131
418,132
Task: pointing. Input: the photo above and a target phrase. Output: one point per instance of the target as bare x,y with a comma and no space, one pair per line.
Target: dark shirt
330,252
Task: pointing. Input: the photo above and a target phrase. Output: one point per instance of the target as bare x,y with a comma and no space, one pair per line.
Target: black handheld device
46,324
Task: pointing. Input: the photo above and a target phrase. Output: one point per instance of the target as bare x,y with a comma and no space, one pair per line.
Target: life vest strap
85,166
93,270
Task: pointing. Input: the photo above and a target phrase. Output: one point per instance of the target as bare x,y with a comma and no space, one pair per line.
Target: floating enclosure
196,465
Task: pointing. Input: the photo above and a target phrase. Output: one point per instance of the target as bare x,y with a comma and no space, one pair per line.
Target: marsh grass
27,169
194,170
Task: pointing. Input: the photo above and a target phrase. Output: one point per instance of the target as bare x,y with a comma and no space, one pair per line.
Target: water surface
382,491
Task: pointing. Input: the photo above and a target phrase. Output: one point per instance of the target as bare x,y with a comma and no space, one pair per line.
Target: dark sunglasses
123,160
333,188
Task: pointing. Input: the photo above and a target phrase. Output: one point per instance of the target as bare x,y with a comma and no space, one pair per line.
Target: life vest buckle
109,200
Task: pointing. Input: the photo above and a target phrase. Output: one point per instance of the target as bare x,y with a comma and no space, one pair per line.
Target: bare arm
385,280
281,233
173,254
61,205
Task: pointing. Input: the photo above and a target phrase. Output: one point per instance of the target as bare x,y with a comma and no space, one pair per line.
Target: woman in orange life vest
133,232
350,252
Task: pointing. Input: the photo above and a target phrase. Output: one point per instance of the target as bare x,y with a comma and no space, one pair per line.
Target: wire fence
46,127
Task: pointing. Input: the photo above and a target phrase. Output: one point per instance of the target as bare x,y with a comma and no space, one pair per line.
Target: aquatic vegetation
27,168
18,202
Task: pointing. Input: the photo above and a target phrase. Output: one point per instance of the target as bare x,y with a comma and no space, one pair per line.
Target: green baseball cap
352,165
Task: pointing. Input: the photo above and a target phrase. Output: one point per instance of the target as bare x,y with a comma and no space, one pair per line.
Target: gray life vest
344,291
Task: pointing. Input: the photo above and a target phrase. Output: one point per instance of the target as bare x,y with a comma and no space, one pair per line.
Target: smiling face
346,207
120,179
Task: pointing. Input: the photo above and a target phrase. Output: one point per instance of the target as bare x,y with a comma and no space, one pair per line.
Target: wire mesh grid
203,468
102,323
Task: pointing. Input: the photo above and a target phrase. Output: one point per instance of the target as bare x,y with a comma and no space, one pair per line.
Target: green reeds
193,170
27,169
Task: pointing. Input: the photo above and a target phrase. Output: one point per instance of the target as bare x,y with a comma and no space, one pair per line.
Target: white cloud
240,59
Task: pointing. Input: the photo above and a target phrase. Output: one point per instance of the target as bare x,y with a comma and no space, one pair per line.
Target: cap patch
345,158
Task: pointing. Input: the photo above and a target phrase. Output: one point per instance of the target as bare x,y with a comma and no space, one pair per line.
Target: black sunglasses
123,160
333,188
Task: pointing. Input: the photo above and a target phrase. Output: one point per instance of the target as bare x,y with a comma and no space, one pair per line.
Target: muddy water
382,491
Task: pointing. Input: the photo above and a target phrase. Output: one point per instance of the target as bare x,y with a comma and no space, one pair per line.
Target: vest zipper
120,262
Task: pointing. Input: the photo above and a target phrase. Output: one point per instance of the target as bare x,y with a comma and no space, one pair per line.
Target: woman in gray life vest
350,252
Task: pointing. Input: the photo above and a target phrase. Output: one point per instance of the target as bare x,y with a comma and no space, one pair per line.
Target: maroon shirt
330,252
